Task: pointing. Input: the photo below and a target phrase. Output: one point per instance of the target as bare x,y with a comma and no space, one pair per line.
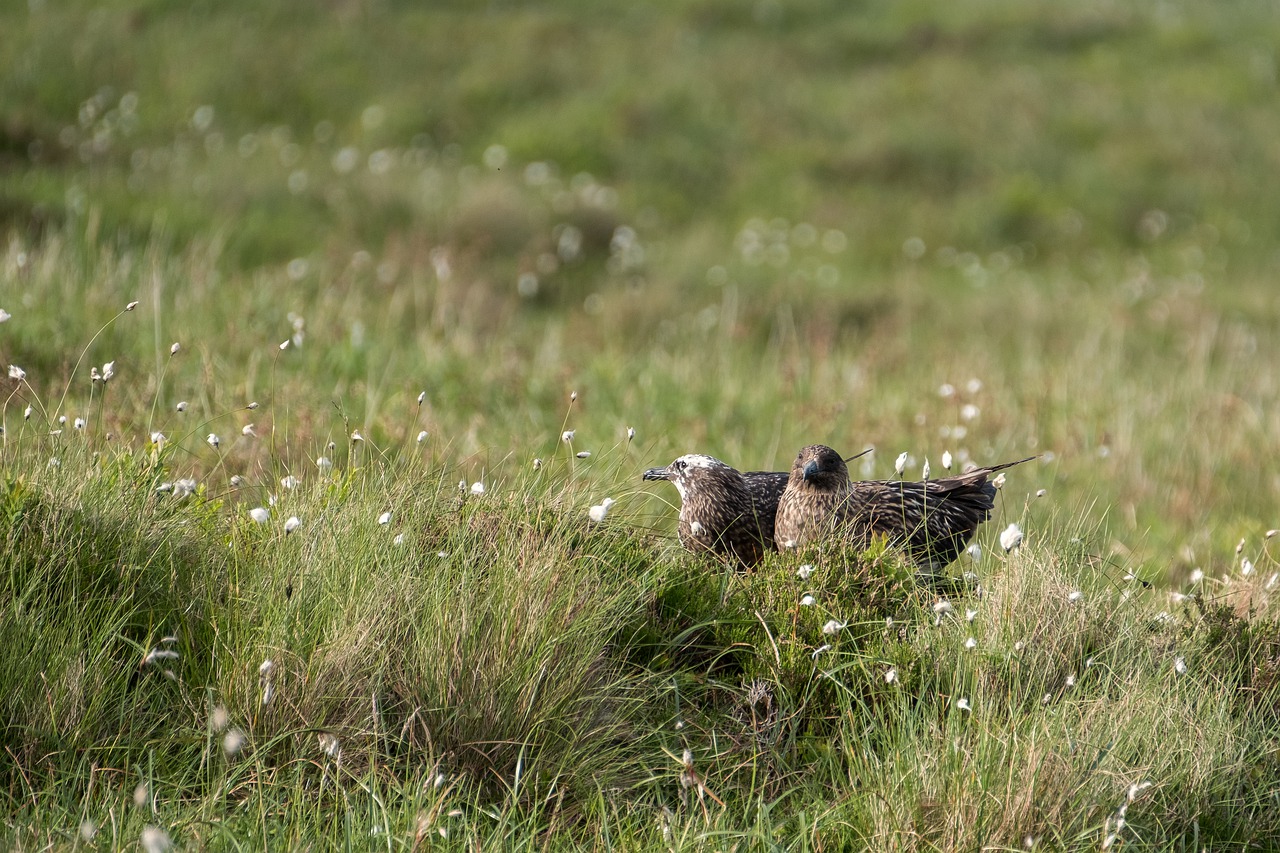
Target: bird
722,510
931,521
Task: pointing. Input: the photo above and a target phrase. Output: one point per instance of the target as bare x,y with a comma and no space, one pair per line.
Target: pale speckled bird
723,510
931,521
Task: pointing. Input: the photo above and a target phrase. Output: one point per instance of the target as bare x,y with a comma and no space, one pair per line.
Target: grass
995,229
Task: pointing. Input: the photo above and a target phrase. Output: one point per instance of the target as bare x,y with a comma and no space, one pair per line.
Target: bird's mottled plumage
931,521
723,510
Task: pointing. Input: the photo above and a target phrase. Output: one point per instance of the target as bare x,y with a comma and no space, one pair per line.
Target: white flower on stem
159,439
925,470
62,420
329,746
385,518
212,440
1270,533
1197,575
218,719
1071,681
946,459
284,345
1180,665
833,627
1011,537
942,607
289,482
537,464
17,373
247,429
696,528
26,413
291,525
598,512
422,436
631,433
971,643
963,704
1075,596
970,615
94,376
1041,493
155,840
998,480
79,423
131,305
807,600
184,488
900,464
236,481
573,396
422,395
398,540
232,742
173,350
583,454
182,406
804,572
108,371
356,436
891,675
140,795
477,488
825,647
88,831
567,435
253,405
1246,567
260,514
969,411
1239,546
4,316
324,463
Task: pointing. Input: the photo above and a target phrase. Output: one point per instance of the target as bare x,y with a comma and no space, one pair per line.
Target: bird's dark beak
810,469
657,474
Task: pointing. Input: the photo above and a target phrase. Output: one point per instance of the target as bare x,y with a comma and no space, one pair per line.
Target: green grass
996,229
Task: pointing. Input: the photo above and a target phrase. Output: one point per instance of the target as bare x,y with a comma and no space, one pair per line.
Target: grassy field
314,566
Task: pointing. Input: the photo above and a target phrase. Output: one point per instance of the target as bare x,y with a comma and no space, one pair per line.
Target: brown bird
931,521
723,510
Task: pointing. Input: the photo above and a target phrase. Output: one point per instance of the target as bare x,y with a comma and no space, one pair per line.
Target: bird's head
690,470
818,466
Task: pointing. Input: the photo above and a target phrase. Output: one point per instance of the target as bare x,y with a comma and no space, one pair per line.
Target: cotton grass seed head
567,435
212,440
247,430
140,794
477,488
385,518
232,742
79,423
804,572
292,524
131,305
182,406
971,644
17,373
1075,596
260,514
963,704
173,349
1011,538
891,675
422,436
807,600
946,459
1180,665
833,627
108,371
900,464
356,436
155,840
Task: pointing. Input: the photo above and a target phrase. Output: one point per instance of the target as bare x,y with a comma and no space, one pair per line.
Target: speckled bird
723,510
931,521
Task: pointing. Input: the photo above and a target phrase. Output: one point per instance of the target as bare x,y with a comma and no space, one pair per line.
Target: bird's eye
680,464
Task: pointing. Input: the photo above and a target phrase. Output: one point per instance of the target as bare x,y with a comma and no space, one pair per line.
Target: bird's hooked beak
810,469
657,474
